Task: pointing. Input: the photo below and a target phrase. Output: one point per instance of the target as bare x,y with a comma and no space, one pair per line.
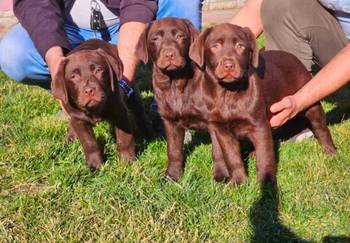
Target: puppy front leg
125,144
175,139
231,152
265,154
85,134
220,172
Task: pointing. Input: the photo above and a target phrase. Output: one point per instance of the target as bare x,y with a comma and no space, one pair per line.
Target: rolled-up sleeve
137,10
44,22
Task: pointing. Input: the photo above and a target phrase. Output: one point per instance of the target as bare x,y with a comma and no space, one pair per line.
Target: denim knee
12,56
190,10
19,58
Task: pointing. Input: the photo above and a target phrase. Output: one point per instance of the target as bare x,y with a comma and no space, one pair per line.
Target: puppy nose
228,65
169,54
89,91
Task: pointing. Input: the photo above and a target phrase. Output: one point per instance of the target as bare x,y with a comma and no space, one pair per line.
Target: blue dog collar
127,89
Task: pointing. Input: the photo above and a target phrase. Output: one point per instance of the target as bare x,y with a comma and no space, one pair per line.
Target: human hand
53,58
129,35
284,110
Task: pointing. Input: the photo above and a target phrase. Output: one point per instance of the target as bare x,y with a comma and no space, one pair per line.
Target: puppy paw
330,149
172,174
220,174
127,156
94,161
266,176
71,135
237,178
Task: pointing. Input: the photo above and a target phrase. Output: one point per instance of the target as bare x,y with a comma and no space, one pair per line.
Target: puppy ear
141,48
194,33
254,47
196,52
58,84
115,66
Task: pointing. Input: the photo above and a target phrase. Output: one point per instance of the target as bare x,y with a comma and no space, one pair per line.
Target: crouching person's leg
21,61
303,28
186,9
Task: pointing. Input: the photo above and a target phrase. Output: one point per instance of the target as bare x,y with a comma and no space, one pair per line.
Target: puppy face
166,42
226,50
86,78
87,81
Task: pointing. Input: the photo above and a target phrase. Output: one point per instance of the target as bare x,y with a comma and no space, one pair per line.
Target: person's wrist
53,57
298,101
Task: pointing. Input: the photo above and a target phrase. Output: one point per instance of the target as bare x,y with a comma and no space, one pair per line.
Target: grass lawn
47,193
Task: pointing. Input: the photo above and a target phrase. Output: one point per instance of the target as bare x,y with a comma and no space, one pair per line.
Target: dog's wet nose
89,91
169,54
228,65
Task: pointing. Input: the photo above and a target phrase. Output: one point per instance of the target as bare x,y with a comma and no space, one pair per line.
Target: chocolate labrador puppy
177,86
242,86
89,88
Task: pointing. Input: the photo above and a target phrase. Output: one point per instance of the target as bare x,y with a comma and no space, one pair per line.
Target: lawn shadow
341,112
264,218
336,239
248,151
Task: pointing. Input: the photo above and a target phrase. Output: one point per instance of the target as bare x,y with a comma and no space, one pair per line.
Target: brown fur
87,86
177,84
240,86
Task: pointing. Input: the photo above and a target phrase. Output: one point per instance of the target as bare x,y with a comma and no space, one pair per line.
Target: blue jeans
21,61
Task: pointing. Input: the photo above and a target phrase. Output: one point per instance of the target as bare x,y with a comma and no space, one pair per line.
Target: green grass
47,193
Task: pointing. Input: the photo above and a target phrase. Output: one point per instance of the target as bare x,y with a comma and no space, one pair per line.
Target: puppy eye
240,46
74,75
180,37
215,45
99,69
154,38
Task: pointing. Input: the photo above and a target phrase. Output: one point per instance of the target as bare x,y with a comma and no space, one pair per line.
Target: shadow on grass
336,239
264,218
267,226
341,112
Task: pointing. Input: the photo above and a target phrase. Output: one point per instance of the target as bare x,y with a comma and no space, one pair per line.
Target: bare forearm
329,79
128,37
52,58
249,16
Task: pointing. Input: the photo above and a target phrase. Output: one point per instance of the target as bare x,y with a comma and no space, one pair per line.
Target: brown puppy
177,87
242,88
87,86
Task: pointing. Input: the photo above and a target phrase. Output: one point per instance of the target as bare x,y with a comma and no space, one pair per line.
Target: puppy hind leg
317,119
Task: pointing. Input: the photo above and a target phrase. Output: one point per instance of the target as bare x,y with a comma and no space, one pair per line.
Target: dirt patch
26,188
